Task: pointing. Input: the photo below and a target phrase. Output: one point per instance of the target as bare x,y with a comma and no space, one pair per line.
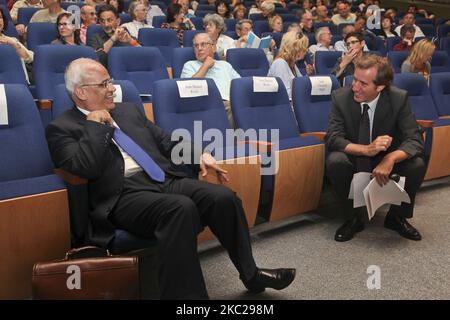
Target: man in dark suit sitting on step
135,186
372,129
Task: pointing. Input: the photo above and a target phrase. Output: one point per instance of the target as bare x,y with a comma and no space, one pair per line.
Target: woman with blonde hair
419,58
276,23
294,46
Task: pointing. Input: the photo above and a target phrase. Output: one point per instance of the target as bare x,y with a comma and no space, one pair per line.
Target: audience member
215,26
66,30
418,61
50,13
409,18
138,13
323,39
177,21
88,18
345,66
407,32
344,15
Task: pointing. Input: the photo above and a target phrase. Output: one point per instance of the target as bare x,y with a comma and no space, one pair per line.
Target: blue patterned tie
139,155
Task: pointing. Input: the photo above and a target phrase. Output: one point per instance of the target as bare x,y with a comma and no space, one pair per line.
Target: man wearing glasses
207,67
354,41
135,186
112,34
88,17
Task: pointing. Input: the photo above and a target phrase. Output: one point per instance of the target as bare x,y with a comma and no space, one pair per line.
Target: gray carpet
327,269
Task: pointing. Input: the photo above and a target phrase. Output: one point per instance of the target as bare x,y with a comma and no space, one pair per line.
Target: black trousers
175,212
341,168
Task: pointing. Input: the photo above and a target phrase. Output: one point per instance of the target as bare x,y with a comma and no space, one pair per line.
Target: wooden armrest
69,177
319,134
44,104
261,146
444,117
425,123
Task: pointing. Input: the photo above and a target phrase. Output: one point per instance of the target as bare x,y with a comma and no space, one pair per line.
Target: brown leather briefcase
87,273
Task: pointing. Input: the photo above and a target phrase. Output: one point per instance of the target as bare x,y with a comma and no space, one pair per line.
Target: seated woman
294,46
276,24
118,4
387,28
222,9
239,12
25,55
67,33
215,26
419,58
177,21
138,13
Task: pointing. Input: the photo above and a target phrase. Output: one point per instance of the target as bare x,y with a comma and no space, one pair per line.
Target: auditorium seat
248,61
11,69
40,33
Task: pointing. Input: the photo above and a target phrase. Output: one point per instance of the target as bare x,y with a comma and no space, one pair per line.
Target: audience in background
66,30
177,21
387,28
23,4
340,45
345,65
138,13
152,11
215,26
419,58
407,34
306,22
50,13
118,4
323,38
276,24
239,12
409,18
322,14
88,17
344,15
243,27
222,9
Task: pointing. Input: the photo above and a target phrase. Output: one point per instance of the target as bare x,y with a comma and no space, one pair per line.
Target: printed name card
320,86
3,107
265,84
192,88
118,93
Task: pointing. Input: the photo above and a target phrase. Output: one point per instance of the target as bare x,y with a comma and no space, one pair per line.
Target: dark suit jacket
393,117
85,148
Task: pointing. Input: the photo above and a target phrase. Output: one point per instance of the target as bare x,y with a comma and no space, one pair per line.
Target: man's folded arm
336,136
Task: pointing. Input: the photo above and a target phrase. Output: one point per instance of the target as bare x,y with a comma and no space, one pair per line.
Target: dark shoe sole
406,236
347,239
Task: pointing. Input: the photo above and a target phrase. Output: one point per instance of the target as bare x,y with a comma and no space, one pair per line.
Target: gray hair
75,72
217,20
269,6
321,31
201,33
241,22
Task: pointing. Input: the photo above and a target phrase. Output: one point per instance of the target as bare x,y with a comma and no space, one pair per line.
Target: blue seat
440,91
63,102
50,62
248,61
207,7
391,42
24,15
231,24
203,13
288,17
325,61
298,167
174,113
256,17
188,37
310,110
158,21
11,70
428,30
443,31
125,18
34,220
440,62
141,65
445,45
330,25
438,134
276,36
11,29
198,23
260,27
396,59
39,33
164,39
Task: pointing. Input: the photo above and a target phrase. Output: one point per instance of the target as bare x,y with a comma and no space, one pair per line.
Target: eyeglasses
65,24
348,44
201,45
103,84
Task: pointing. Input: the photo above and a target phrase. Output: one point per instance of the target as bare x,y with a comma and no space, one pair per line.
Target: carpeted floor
327,269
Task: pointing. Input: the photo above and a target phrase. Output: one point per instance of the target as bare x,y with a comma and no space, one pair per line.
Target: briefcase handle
86,252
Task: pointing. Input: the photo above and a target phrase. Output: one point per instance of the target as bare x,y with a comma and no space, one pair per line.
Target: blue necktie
139,155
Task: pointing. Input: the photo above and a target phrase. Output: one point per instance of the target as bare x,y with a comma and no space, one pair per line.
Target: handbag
87,273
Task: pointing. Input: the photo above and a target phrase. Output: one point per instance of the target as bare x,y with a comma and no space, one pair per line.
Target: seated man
407,33
112,34
341,45
354,41
134,185
372,129
323,38
206,67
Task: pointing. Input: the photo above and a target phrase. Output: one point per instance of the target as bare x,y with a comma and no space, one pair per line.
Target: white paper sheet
265,84
320,86
192,88
3,107
359,182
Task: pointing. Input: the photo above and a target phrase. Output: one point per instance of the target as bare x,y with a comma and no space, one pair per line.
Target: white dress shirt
372,107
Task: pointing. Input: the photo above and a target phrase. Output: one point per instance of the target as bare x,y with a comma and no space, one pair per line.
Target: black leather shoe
277,279
402,226
348,229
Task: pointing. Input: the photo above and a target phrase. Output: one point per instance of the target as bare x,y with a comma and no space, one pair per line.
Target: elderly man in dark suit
135,186
372,129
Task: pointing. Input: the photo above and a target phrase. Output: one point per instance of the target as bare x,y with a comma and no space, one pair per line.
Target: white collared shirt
131,166
372,107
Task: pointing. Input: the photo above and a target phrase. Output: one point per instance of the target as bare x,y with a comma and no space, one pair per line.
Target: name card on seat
321,86
265,84
192,88
118,94
3,106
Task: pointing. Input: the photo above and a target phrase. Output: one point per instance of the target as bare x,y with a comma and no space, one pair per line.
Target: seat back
443,31
440,91
311,110
39,33
428,30
260,26
24,149
158,21
325,61
164,39
11,70
248,61
391,42
179,58
440,62
262,110
11,30
419,95
63,102
140,65
396,59
24,15
188,37
50,63
173,112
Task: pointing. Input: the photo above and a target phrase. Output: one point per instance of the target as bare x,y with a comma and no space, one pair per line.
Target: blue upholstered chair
11,70
164,39
248,61
325,61
396,59
299,161
24,15
39,33
34,219
440,91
